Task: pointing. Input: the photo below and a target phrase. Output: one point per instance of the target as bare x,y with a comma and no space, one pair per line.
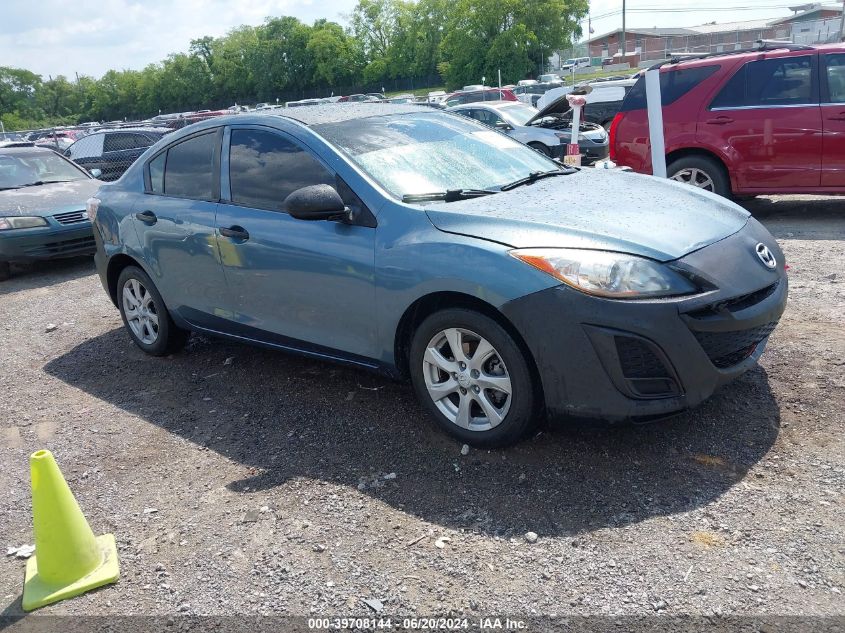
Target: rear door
175,225
833,120
767,121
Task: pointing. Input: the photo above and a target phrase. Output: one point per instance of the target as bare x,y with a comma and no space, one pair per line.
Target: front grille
735,304
646,375
79,246
726,349
71,217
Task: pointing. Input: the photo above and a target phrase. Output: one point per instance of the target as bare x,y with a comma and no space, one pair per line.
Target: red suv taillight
612,134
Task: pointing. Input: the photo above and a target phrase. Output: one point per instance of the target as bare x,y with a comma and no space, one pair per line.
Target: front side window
766,82
426,152
835,77
121,140
189,168
265,167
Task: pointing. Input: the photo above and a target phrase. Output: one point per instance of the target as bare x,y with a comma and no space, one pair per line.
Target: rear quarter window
674,84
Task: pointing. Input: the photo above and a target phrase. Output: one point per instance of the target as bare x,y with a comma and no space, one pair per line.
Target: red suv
761,122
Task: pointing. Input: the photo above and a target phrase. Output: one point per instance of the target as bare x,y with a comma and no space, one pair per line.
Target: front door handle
841,117
235,232
147,217
720,120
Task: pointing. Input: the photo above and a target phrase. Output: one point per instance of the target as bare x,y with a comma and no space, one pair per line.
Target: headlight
605,274
19,222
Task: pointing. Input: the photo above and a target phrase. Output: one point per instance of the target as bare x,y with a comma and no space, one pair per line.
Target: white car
527,82
437,96
575,62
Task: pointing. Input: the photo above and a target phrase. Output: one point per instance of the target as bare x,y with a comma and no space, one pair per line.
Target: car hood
558,106
48,199
597,209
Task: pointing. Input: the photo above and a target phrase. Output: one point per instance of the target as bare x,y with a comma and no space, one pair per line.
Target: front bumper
48,242
615,360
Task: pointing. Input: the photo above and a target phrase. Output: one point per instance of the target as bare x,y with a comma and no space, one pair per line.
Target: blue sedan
421,244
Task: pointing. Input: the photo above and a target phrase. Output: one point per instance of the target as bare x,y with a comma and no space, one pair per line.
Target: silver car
547,130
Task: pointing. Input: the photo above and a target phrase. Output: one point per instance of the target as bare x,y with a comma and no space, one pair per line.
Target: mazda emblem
765,255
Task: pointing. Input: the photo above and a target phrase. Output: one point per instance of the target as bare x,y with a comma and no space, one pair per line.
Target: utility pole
624,37
842,31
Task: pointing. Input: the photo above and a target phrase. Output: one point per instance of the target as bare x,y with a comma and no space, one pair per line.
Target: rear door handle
147,217
841,117
720,120
235,232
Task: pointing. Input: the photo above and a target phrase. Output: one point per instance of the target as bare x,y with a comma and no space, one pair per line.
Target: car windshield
429,152
21,169
518,113
569,62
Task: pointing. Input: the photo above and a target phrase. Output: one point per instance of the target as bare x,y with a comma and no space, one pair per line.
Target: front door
833,120
767,120
293,281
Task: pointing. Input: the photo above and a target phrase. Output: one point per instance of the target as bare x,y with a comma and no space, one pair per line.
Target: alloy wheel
695,177
140,310
467,379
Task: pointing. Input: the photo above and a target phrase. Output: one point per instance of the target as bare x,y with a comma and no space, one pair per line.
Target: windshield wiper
38,183
534,176
450,195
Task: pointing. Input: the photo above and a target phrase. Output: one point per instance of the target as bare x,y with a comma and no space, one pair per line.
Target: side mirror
96,173
503,125
316,202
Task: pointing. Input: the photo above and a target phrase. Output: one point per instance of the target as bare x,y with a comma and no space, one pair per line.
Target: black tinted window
781,81
836,78
264,168
674,84
189,171
122,140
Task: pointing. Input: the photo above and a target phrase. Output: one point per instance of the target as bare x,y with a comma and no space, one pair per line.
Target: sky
56,37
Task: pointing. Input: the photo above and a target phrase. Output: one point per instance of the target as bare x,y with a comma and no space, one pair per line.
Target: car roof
786,50
498,104
26,149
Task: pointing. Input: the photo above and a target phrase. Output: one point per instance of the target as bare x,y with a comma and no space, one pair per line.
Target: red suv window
778,81
674,84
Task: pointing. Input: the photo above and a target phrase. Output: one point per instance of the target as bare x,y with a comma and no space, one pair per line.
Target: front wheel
702,172
145,316
472,376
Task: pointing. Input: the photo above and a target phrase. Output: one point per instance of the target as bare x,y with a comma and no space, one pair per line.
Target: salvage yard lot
239,480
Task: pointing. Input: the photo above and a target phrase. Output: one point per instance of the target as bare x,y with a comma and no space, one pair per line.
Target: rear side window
780,81
674,84
189,168
264,168
87,147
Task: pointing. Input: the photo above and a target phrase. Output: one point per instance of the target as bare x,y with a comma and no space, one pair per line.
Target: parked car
541,130
761,122
531,94
550,78
436,96
421,244
526,82
488,94
574,63
403,99
603,103
113,151
42,207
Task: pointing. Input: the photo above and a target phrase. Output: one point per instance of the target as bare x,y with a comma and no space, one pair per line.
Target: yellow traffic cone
68,559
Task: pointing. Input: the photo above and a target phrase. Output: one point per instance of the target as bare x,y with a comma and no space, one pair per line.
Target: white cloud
51,37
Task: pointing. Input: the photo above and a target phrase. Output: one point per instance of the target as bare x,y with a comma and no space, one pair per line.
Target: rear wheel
473,377
702,172
5,271
145,316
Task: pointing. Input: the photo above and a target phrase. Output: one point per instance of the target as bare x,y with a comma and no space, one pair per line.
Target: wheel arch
428,304
116,266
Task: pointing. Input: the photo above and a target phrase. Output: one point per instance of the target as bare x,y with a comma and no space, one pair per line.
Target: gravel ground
239,480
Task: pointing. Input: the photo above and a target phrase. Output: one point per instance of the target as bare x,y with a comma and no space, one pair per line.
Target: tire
543,149
153,330
506,418
705,170
5,271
